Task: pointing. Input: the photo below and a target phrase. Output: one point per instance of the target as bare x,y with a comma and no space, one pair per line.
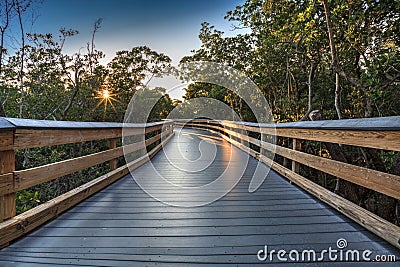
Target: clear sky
169,26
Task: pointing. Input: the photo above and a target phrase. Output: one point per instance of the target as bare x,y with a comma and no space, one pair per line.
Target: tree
7,11
80,66
131,70
342,57
21,6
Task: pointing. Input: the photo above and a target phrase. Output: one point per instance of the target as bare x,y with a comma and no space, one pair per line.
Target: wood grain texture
387,140
367,219
31,219
30,138
6,140
30,177
34,176
391,123
123,226
385,183
112,145
7,166
296,145
370,221
6,183
26,222
381,137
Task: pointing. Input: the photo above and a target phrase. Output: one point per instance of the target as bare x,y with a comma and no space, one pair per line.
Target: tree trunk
7,13
310,90
21,71
74,93
70,102
346,189
380,204
2,113
2,32
337,96
336,66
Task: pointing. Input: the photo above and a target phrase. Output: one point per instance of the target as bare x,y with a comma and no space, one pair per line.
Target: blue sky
166,26
169,26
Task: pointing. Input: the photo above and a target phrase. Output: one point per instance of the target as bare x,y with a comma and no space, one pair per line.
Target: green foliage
60,86
286,52
286,37
56,85
26,200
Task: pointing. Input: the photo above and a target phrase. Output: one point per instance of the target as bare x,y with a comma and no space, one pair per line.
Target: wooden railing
379,133
17,134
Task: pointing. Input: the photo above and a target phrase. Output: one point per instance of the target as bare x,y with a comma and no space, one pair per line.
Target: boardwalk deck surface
123,226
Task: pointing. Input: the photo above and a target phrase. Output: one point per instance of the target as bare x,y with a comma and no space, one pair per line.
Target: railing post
296,146
242,130
143,150
113,162
168,130
7,165
263,138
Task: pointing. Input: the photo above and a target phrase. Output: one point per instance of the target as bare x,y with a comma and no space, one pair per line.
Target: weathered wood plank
6,183
387,140
370,221
6,125
30,138
30,177
367,219
23,223
113,162
51,124
34,176
111,227
385,183
7,166
379,137
296,146
391,123
6,140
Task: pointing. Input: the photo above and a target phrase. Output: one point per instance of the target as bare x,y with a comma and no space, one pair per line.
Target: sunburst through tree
106,97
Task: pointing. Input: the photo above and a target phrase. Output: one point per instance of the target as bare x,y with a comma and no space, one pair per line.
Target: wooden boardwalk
123,226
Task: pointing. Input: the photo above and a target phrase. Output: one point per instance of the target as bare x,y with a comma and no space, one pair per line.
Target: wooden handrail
381,133
18,134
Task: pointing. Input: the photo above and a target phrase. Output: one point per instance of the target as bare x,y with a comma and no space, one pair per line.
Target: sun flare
105,94
106,97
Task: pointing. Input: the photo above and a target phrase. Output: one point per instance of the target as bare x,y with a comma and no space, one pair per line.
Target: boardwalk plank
123,226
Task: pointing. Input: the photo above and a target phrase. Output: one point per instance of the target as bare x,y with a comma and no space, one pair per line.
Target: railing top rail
5,124
364,124
12,123
391,123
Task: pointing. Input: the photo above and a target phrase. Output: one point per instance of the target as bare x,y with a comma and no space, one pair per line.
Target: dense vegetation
40,81
339,57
